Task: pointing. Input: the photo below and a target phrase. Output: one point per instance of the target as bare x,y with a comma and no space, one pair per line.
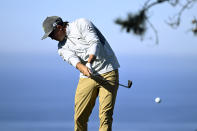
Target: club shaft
110,81
119,84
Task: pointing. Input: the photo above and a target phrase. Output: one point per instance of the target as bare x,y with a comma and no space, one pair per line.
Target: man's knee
106,117
81,118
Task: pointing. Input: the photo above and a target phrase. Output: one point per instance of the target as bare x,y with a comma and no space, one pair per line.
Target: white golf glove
89,67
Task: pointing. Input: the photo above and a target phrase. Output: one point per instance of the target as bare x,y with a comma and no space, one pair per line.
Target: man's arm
88,32
83,69
91,58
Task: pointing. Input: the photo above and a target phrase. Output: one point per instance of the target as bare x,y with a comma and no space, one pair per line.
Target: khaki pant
86,94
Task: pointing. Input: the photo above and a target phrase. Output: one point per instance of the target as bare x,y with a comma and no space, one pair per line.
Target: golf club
101,78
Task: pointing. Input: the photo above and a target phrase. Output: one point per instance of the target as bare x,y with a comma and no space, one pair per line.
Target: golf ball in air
157,100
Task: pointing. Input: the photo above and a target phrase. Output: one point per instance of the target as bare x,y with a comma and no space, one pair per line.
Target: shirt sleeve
89,33
69,56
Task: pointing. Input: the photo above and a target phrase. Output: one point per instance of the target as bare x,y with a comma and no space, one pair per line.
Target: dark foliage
137,23
134,22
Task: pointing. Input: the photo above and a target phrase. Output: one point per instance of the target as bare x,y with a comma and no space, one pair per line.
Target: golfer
83,46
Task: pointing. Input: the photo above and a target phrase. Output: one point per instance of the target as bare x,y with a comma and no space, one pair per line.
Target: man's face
58,34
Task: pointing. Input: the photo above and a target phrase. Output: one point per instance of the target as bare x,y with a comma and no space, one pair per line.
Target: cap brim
46,35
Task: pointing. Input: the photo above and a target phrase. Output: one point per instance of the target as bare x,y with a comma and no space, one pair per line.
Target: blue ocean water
37,94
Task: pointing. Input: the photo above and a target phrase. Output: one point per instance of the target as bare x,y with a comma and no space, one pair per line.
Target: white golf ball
157,100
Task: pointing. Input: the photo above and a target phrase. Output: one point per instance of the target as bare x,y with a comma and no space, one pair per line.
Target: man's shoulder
81,22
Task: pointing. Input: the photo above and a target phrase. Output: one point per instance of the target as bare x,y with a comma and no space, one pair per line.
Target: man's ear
59,27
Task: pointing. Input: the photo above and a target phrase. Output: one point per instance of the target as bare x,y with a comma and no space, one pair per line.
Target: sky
24,19
32,70
21,27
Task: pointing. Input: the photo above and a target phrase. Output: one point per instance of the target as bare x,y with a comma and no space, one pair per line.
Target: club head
129,83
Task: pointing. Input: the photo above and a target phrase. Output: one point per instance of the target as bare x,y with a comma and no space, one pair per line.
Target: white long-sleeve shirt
84,39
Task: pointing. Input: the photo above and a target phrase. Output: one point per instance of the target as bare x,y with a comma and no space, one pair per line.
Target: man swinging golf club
83,46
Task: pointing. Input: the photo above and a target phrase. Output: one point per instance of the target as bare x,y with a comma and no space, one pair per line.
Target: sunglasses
52,34
57,22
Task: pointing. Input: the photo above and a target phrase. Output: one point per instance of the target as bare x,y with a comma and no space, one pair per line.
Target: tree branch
137,22
146,7
176,22
155,31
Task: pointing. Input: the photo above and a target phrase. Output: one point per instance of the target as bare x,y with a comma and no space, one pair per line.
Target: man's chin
61,40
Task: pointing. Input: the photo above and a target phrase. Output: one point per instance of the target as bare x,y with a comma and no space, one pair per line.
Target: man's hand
89,65
84,69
